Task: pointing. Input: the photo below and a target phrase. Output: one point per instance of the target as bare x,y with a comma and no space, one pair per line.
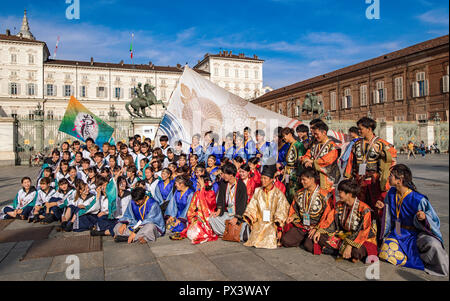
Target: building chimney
121,63
92,61
231,51
150,64
178,66
8,32
255,56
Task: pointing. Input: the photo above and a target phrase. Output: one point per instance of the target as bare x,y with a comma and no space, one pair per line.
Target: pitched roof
141,67
18,39
427,45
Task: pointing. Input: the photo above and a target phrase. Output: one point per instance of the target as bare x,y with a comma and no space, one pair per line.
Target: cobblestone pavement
179,260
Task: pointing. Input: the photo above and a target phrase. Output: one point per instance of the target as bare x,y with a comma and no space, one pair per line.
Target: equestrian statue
143,100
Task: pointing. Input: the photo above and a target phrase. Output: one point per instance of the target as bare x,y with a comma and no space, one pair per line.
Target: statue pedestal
146,127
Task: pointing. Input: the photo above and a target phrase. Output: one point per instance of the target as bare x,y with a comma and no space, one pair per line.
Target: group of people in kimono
299,188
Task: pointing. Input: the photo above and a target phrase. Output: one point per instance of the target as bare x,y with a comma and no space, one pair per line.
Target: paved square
179,260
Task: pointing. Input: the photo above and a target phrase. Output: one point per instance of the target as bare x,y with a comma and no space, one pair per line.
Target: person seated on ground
107,197
142,220
306,211
151,180
47,173
131,176
266,213
81,214
41,208
347,230
23,203
231,203
202,206
249,181
164,189
178,206
63,170
73,175
58,203
412,236
212,168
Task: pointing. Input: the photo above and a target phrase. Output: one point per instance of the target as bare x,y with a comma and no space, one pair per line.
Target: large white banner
197,106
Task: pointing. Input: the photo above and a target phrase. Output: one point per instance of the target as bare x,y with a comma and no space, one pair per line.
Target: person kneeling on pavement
142,221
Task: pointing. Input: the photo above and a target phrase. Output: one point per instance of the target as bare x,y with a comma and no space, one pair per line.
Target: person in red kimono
254,165
347,230
202,205
249,181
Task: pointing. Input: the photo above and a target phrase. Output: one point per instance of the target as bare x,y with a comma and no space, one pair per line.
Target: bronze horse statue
143,100
312,105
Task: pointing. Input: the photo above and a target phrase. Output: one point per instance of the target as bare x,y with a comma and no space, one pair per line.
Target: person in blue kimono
142,221
240,148
263,149
212,147
164,189
249,144
212,168
279,148
196,147
179,204
228,147
411,234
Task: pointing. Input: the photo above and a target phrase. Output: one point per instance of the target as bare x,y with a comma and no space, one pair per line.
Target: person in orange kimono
323,157
202,205
347,230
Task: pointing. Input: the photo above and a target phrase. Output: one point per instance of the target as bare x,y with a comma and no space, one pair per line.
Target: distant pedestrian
411,149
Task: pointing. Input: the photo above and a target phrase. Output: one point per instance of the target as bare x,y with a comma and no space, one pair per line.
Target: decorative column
7,154
437,124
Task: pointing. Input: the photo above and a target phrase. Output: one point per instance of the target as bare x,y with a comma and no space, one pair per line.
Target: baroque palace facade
28,77
411,84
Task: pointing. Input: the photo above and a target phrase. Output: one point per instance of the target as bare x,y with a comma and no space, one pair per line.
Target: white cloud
435,17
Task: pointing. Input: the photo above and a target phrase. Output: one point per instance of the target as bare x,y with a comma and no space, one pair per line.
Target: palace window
83,91
14,89
101,78
31,59
333,101
379,95
236,73
31,89
118,92
246,73
363,95
256,74
216,71
50,115
67,90
445,83
50,90
13,58
420,86
347,99
227,72
398,88
67,77
101,92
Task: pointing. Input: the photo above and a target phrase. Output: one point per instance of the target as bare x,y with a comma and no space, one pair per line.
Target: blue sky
297,38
